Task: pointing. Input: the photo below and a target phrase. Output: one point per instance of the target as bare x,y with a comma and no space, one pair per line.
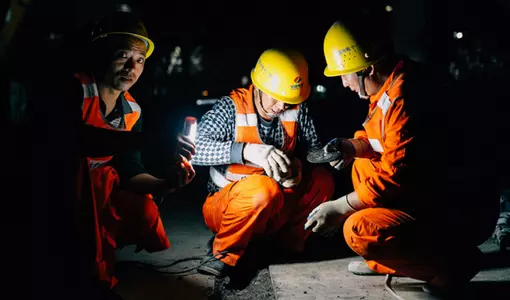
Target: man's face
351,81
272,107
371,86
125,65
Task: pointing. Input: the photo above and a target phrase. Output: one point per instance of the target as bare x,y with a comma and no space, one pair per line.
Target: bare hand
295,175
185,147
181,174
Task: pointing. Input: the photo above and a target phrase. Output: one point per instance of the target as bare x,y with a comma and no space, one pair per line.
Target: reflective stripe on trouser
123,218
257,206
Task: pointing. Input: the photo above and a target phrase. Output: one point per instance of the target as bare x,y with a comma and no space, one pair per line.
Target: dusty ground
259,288
253,281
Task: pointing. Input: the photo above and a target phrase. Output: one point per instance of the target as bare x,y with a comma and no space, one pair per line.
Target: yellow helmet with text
349,50
283,75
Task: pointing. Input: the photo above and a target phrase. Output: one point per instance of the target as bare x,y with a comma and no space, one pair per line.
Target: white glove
295,173
275,163
327,217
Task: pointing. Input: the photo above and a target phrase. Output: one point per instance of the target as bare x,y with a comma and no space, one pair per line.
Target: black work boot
211,265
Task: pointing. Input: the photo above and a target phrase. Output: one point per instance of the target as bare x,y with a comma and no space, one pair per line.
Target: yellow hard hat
347,52
126,23
283,75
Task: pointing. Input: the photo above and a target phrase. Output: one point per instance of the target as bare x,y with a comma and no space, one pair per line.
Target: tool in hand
322,155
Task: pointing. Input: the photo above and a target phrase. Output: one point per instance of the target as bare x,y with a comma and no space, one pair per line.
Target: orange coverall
409,227
120,217
253,205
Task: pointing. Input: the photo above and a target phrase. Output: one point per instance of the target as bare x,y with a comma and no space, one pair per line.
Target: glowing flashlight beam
190,128
193,132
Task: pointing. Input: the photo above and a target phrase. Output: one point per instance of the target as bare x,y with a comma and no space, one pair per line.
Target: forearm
214,153
216,134
147,184
353,201
307,130
362,148
349,204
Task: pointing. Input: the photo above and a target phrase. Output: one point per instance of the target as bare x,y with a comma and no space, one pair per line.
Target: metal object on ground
320,156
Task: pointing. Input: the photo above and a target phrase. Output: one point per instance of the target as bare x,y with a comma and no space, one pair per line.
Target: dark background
219,43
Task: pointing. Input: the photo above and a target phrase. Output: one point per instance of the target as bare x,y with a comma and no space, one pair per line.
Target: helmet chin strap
362,91
262,107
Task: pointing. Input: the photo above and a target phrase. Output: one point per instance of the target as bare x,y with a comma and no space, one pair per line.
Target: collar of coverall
399,68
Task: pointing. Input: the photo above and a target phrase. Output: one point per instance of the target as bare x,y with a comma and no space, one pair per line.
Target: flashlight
190,128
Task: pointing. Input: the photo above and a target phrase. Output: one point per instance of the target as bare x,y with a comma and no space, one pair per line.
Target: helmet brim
146,40
335,72
289,100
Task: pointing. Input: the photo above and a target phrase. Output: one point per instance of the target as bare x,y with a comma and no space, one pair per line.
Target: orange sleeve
385,182
361,134
362,145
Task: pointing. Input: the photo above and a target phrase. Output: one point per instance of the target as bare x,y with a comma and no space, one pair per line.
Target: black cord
157,267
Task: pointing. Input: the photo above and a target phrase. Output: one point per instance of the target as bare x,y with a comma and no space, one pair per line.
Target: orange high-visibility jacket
247,131
387,133
92,115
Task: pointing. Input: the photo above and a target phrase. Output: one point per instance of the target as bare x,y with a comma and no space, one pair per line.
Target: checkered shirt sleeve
307,137
215,134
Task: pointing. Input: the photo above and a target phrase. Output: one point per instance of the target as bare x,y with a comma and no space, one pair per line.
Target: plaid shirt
216,144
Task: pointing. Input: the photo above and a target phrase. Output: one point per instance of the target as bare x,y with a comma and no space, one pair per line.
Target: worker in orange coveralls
412,213
253,140
124,211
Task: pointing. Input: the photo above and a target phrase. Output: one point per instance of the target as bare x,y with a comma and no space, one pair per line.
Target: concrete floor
330,279
188,237
325,278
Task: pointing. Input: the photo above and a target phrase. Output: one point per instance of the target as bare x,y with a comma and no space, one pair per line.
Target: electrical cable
387,286
158,267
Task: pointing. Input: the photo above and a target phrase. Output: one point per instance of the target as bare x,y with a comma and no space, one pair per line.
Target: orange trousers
122,218
440,245
257,206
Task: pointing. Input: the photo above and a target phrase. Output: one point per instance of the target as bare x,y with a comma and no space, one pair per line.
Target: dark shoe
212,266
210,245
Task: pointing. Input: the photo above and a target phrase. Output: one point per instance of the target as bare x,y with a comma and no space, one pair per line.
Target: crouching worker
122,206
409,212
252,139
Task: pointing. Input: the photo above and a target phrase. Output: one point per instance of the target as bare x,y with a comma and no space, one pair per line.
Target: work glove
327,218
296,174
346,149
274,162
